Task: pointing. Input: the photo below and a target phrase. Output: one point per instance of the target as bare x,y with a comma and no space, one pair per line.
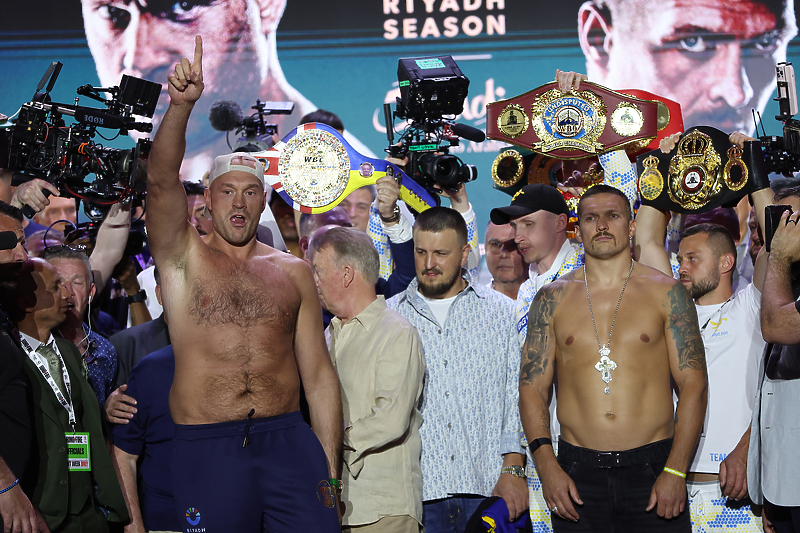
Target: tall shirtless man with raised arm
246,327
623,453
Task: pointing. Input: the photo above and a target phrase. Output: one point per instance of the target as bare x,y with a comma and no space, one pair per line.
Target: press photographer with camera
773,472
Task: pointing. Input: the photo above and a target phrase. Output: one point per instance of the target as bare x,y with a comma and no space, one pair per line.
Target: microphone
225,115
98,118
8,240
468,132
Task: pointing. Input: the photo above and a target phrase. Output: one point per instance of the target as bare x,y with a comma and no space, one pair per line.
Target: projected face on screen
715,57
146,38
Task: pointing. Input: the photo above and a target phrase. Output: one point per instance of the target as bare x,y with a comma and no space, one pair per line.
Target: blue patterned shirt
470,412
101,361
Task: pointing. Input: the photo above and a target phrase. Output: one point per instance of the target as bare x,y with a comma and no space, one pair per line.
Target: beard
698,289
438,288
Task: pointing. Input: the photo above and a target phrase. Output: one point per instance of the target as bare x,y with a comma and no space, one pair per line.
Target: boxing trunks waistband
650,453
238,427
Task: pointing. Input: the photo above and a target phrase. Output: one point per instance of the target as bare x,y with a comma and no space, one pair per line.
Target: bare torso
232,325
638,409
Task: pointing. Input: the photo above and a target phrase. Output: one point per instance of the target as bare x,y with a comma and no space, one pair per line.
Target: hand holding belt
313,168
572,125
702,172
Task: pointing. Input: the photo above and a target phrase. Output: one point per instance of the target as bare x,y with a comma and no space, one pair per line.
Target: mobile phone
773,218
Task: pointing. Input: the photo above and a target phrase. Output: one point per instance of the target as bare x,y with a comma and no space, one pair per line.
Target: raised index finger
197,64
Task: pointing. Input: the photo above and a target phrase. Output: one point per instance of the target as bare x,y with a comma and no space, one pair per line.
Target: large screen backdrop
342,56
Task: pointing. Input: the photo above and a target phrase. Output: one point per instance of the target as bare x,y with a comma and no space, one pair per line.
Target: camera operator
773,472
16,512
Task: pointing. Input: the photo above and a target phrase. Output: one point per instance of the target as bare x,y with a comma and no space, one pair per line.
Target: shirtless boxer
622,453
245,324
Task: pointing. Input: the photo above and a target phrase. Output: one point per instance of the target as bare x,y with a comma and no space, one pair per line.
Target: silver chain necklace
605,365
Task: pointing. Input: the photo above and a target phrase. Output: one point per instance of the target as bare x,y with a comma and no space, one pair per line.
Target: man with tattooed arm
616,333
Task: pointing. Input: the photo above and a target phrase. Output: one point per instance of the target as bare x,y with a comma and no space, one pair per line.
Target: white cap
222,165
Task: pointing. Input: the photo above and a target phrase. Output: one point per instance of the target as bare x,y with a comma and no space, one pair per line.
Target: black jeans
784,519
615,489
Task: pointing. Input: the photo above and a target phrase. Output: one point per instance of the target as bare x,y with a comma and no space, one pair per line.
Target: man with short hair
504,260
623,452
97,352
378,356
731,332
470,434
245,324
58,208
715,58
71,478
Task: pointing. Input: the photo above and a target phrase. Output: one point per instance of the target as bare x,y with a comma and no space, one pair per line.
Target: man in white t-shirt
731,331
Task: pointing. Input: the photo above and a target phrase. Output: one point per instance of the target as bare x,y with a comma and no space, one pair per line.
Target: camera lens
441,168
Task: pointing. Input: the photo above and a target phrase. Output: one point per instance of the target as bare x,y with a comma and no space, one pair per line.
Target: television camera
431,88
40,143
256,135
782,154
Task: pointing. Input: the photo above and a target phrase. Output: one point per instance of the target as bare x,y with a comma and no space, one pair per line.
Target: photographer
773,473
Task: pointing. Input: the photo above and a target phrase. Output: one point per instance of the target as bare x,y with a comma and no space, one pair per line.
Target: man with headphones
99,355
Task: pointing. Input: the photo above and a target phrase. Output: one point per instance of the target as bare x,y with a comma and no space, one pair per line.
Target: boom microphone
225,115
98,118
468,132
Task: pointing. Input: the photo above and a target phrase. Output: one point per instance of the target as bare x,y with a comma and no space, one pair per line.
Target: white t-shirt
732,338
439,307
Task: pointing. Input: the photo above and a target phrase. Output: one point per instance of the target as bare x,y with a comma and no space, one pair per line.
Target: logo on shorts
325,494
192,516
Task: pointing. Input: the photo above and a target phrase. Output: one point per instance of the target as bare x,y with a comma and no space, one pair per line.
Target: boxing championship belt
669,119
702,172
313,168
572,125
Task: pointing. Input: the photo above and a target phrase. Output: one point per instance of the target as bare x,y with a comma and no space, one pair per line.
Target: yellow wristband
674,472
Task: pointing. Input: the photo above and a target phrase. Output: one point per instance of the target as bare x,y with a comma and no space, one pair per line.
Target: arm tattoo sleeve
539,342
685,331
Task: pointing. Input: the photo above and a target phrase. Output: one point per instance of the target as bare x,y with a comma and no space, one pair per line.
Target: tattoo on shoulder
682,323
539,341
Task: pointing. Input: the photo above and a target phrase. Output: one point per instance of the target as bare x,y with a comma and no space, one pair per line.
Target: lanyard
704,326
45,371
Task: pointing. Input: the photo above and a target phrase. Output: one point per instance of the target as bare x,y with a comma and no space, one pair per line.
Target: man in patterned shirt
470,429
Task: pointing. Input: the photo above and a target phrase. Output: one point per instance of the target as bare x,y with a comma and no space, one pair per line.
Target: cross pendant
605,366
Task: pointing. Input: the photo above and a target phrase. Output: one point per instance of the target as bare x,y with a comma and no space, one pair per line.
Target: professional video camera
430,88
255,134
782,154
41,145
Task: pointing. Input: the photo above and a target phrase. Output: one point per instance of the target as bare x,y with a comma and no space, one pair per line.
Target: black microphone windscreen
468,132
8,240
225,115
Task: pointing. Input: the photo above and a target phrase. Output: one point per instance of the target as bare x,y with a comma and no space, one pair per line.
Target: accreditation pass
78,452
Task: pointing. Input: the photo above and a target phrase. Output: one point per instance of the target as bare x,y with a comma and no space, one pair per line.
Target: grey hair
350,246
66,253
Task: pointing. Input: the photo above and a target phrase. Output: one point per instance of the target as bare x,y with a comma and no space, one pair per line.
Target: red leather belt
573,125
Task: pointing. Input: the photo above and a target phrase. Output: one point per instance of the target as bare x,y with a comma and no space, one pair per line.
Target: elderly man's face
715,57
146,38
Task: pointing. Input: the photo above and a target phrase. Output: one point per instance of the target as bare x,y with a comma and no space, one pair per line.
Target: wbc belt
575,124
313,168
702,172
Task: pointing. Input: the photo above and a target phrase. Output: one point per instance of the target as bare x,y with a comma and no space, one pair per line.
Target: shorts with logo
615,488
712,512
277,483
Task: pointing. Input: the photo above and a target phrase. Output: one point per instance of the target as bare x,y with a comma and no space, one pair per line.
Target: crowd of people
350,374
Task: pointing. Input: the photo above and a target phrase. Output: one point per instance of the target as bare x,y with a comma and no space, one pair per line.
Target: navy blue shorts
277,483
